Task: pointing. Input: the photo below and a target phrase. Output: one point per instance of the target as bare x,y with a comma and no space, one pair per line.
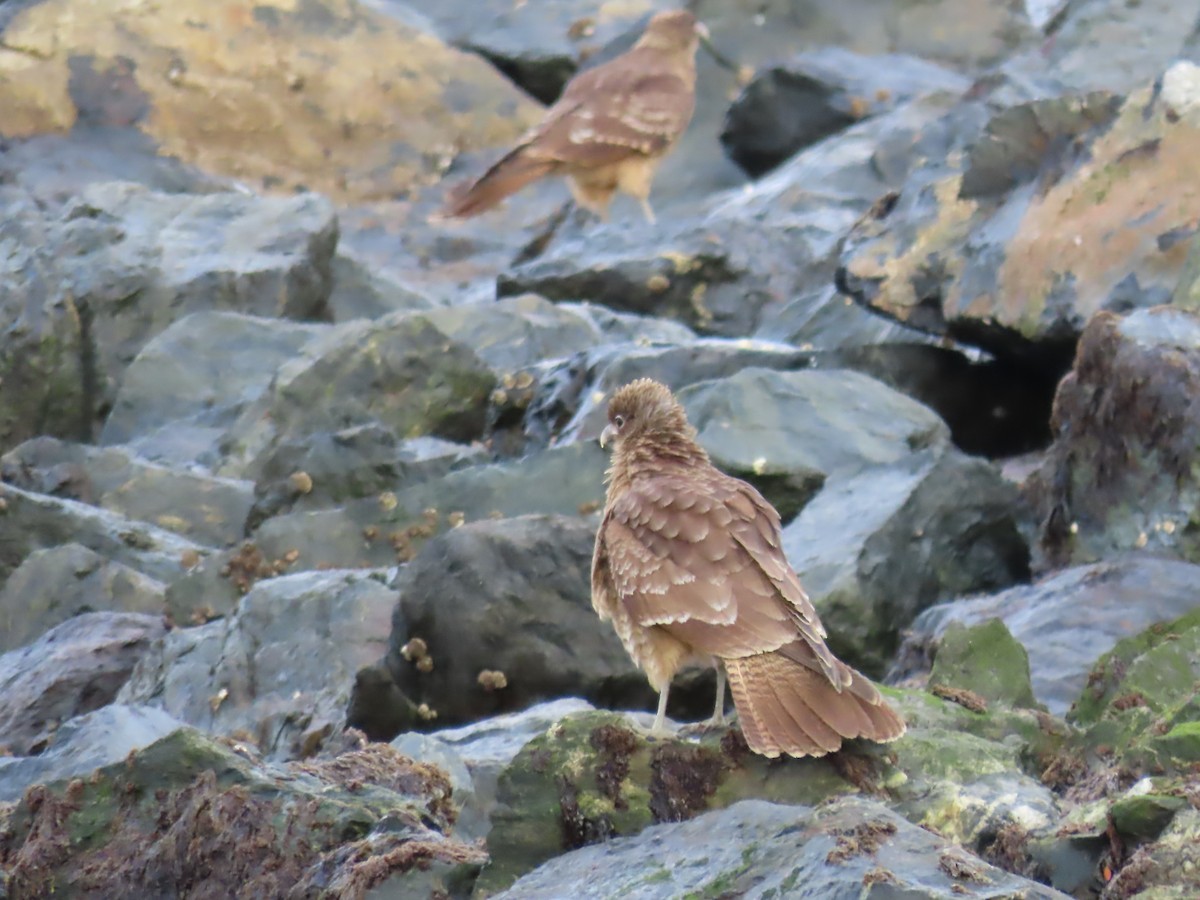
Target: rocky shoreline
298,484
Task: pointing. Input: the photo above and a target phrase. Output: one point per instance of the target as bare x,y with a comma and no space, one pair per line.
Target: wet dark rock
278,672
790,105
1063,207
211,511
510,596
74,668
1066,620
1121,475
54,585
342,825
85,743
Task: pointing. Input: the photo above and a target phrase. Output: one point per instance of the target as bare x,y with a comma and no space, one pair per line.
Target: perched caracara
609,130
689,567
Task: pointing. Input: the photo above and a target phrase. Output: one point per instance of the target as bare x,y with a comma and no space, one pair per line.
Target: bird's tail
787,707
514,170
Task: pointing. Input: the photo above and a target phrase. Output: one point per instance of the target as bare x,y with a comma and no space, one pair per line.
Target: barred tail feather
788,708
506,177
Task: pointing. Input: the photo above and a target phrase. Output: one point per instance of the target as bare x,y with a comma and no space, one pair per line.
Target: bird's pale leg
659,728
718,716
648,210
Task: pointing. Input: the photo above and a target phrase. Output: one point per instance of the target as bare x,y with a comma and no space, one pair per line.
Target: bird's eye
619,421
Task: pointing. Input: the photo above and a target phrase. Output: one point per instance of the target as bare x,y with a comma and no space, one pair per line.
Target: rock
362,292
589,380
85,743
278,673
760,849
392,526
594,776
1140,700
208,510
187,810
335,85
541,48
509,597
91,283
513,333
876,549
38,522
1109,45
1169,867
189,384
401,372
816,93
1066,619
984,660
74,668
976,252
481,751
1120,474
52,586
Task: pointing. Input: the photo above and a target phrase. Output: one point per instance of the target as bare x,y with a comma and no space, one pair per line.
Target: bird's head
673,30
645,411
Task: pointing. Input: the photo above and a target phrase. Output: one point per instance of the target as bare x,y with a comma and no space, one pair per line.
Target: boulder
1121,475
278,673
190,814
495,616
401,372
333,111
54,585
1061,208
855,846
985,661
211,511
791,105
1065,620
39,522
74,668
189,384
85,743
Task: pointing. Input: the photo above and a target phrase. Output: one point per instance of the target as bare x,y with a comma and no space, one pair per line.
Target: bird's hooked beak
608,434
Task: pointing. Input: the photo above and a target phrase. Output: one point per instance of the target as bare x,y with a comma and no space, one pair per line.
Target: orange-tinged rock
323,94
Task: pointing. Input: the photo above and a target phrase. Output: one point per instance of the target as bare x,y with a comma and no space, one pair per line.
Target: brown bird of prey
609,130
689,567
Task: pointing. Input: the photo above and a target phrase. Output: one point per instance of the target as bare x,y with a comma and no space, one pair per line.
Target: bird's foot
707,726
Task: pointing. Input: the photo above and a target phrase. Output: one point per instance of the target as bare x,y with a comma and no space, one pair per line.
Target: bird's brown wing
701,557
631,105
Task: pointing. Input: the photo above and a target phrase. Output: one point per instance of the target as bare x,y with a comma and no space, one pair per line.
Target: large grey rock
208,510
816,93
1066,620
90,284
190,383
1122,473
280,670
85,743
510,596
38,522
400,371
74,668
392,526
55,584
1043,221
757,849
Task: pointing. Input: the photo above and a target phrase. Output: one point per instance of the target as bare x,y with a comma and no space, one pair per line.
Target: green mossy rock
986,660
